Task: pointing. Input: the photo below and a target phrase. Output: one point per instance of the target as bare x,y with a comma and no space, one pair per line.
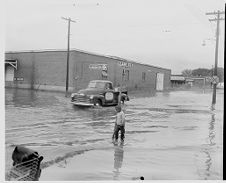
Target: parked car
99,93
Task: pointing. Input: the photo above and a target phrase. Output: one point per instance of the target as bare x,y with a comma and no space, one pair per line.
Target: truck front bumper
82,104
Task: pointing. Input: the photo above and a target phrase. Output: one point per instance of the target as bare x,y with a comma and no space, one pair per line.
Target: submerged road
172,135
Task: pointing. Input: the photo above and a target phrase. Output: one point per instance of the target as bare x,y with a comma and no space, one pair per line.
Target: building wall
199,82
47,70
25,68
50,68
81,74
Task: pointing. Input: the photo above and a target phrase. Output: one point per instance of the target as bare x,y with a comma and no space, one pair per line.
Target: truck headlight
91,96
72,95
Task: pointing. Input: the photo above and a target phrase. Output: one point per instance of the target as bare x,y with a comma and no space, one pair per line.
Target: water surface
172,135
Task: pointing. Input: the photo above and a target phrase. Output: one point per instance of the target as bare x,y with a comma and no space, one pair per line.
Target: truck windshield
96,85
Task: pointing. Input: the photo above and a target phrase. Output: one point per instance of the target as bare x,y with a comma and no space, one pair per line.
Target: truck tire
97,102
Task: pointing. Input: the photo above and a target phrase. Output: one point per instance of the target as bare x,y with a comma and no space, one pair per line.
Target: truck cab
99,93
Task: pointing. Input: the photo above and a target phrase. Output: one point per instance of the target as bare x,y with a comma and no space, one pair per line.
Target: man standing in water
119,124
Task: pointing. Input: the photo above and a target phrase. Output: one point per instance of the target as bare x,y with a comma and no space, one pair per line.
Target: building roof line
86,52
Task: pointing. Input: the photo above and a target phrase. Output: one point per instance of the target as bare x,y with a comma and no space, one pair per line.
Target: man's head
118,108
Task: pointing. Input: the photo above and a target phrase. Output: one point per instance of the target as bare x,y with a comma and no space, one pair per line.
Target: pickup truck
99,93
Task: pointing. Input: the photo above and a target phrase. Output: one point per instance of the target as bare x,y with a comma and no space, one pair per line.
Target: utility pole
68,52
217,19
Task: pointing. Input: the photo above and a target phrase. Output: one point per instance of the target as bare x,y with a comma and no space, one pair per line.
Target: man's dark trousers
122,129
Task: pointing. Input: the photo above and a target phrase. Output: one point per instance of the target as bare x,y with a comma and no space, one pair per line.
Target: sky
162,33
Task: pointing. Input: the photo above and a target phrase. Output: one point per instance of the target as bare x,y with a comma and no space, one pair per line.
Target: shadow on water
118,159
63,158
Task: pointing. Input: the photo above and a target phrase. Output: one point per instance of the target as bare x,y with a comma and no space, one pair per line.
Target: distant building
196,81
179,80
46,70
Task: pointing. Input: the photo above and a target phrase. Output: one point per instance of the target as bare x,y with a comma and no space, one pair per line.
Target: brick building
46,70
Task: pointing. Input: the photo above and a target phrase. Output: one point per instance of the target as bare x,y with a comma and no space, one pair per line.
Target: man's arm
123,119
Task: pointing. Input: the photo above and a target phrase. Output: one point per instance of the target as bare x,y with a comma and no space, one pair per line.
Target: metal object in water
26,165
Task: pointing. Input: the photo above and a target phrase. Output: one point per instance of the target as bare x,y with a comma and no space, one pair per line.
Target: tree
220,73
201,72
187,72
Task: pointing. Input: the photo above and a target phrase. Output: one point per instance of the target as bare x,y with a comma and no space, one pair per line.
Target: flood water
174,135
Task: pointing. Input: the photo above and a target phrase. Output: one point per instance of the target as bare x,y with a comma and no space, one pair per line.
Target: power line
68,51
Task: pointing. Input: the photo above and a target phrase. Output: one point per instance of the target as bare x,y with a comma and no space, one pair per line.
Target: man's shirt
120,118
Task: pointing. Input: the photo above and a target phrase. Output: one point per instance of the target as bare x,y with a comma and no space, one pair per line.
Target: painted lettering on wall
125,64
98,66
18,79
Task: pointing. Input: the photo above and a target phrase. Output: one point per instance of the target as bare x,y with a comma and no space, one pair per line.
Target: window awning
11,62
177,78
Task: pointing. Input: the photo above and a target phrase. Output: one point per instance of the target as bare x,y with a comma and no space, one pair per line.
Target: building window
125,75
143,76
10,67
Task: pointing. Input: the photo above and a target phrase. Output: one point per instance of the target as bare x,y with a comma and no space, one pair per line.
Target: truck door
109,93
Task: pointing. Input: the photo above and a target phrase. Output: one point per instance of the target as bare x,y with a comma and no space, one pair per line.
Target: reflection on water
211,130
175,126
29,98
208,164
22,98
118,159
211,137
207,171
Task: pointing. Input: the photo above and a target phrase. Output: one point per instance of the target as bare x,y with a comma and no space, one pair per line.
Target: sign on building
18,79
125,64
102,67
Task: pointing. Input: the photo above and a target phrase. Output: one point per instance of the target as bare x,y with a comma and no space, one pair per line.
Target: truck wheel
123,99
97,103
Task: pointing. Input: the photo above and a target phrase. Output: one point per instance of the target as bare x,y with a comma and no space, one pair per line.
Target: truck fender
99,97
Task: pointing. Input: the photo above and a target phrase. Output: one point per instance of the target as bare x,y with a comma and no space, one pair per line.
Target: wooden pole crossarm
215,13
215,19
68,19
